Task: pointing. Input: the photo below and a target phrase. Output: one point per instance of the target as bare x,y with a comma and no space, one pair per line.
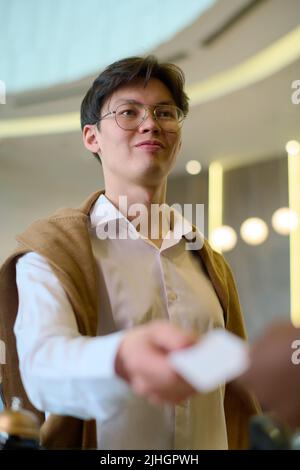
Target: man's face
144,155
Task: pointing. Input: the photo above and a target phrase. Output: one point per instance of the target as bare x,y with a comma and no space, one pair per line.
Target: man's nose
150,123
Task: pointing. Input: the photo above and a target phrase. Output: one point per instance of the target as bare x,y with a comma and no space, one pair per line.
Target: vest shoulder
216,258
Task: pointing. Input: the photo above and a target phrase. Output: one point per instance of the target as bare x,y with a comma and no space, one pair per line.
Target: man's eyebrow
130,100
126,100
166,102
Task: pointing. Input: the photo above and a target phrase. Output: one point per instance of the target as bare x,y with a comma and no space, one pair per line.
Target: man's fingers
169,337
142,360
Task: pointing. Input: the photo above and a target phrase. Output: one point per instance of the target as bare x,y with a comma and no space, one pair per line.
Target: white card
216,359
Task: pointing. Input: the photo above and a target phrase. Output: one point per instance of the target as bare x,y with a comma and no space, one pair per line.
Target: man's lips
150,144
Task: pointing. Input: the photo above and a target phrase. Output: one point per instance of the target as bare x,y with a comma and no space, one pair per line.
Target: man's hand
142,361
274,374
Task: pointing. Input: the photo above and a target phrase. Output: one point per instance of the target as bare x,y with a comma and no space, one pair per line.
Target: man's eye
129,112
165,113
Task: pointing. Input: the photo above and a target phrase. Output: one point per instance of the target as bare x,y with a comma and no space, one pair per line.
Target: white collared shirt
65,373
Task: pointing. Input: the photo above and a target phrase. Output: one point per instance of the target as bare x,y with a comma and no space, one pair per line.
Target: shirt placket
181,410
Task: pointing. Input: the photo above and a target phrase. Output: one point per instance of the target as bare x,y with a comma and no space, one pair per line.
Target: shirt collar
104,211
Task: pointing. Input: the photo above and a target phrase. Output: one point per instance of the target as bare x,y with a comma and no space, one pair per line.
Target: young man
96,316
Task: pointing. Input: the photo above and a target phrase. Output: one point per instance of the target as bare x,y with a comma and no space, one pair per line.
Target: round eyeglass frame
147,108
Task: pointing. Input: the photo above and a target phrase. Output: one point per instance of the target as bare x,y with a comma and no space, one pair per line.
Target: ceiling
248,124
72,39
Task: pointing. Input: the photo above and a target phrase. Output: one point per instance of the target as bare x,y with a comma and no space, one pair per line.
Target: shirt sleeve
62,371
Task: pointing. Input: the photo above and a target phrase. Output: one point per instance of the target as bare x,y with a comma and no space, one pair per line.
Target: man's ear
90,138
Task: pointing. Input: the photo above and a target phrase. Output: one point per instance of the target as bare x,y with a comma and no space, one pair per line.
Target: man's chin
153,173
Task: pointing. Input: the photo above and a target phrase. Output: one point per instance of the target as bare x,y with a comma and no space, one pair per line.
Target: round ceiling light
293,148
285,220
223,238
193,167
254,231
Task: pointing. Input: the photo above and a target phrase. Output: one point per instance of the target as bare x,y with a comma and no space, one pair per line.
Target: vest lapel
216,276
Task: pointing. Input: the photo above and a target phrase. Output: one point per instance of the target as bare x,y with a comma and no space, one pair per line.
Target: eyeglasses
130,116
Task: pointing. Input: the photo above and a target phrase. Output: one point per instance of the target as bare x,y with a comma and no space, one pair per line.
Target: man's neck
128,200
144,195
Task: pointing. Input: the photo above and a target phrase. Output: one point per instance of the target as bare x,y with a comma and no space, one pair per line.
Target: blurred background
241,59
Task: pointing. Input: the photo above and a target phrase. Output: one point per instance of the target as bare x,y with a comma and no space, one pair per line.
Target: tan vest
63,239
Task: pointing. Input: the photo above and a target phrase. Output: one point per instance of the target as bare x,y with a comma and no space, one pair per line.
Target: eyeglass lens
130,115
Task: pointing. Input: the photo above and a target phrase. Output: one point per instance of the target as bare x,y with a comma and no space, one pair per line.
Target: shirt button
172,296
184,404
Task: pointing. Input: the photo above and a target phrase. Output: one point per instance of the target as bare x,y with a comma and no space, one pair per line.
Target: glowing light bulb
254,231
193,167
223,238
293,148
285,220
